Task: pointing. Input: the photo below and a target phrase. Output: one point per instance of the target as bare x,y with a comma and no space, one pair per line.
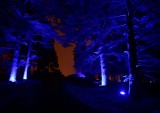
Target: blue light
25,73
81,75
122,93
13,74
25,76
12,78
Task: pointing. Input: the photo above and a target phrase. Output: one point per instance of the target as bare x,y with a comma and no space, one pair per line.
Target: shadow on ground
39,96
55,94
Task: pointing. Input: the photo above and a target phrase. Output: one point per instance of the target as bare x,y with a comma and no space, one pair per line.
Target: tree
99,27
146,35
120,19
23,34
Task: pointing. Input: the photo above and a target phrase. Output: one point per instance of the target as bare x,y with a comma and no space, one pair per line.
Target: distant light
122,93
81,75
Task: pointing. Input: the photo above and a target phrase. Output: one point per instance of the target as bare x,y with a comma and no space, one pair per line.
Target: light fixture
122,92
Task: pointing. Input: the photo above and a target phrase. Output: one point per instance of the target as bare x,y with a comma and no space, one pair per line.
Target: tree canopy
96,26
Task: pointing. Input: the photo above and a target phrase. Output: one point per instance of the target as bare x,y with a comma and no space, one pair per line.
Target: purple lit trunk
103,71
14,67
27,62
132,56
129,72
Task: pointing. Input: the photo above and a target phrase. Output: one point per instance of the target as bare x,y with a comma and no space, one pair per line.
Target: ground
58,95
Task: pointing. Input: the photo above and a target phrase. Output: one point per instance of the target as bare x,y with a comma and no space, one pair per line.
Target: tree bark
132,56
103,71
25,75
14,67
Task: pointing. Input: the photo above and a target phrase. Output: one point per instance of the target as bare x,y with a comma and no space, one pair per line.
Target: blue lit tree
21,29
99,28
98,51
13,32
119,17
146,20
147,33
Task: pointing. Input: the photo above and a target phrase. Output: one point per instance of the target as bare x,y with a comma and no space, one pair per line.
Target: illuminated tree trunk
103,71
27,62
132,56
14,67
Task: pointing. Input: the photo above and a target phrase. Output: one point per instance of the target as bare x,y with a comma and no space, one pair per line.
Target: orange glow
65,58
60,33
58,20
52,20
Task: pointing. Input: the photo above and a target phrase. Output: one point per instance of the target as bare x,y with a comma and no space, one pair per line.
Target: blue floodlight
122,93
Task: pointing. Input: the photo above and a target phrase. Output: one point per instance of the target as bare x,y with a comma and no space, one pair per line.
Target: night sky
65,58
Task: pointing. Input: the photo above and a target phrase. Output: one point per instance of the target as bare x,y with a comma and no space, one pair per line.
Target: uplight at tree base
13,75
25,73
12,78
25,77
122,92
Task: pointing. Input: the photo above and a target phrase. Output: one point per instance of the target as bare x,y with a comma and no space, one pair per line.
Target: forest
112,37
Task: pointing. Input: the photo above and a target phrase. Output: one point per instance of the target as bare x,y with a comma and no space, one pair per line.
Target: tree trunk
103,71
14,67
132,56
27,61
